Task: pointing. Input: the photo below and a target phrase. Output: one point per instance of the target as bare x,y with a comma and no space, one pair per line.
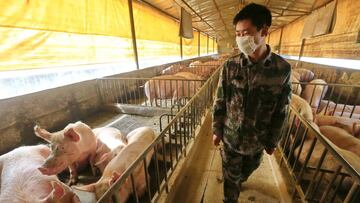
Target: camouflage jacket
251,103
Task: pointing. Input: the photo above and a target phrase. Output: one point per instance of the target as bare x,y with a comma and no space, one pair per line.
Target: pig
329,163
352,126
204,71
169,87
332,106
295,86
189,76
110,141
172,69
347,115
72,147
195,64
341,138
314,93
302,107
305,75
138,141
295,74
22,182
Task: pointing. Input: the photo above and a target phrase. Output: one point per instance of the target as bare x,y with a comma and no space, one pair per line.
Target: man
252,98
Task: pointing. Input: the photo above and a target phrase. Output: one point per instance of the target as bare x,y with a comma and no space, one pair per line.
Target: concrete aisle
203,181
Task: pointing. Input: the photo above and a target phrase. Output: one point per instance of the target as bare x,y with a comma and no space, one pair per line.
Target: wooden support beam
207,45
133,34
181,48
222,19
280,40
198,43
301,52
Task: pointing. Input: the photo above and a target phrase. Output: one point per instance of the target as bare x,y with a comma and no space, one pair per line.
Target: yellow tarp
48,33
105,17
157,35
190,46
203,44
53,33
211,45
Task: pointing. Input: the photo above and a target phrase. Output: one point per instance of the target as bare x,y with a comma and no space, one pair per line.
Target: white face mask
246,44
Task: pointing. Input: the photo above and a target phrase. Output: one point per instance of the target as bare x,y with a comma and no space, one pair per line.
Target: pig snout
52,166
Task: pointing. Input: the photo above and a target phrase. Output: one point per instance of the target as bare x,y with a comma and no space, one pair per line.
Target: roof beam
164,12
222,19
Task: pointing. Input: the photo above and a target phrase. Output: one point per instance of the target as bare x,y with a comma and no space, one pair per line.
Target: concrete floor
203,180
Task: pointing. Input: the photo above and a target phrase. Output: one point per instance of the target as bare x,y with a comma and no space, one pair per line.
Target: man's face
246,28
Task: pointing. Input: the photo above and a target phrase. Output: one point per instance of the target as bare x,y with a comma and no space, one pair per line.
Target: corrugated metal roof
214,17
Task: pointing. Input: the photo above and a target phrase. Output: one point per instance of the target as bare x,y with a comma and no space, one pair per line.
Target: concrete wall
52,109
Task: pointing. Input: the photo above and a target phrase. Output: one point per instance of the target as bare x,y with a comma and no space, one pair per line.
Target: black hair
259,15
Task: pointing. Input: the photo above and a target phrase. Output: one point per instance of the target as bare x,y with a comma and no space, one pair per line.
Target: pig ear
103,158
42,133
72,135
356,130
87,188
114,177
58,190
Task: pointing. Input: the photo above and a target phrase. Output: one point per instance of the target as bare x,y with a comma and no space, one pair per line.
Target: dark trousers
236,169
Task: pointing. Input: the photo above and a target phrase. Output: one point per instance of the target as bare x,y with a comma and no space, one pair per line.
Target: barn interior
67,61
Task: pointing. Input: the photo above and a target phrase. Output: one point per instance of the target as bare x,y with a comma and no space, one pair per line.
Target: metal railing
147,91
320,171
170,145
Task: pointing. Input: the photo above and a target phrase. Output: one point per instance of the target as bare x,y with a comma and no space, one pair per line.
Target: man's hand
216,140
270,151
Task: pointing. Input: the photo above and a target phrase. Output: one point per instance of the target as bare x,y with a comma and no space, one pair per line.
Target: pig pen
320,170
175,121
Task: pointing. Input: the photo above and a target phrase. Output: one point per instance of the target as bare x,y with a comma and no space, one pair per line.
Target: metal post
301,52
198,43
207,45
214,40
133,35
280,40
181,48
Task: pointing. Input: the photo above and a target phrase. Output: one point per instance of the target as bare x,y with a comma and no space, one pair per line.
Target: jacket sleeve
280,115
219,107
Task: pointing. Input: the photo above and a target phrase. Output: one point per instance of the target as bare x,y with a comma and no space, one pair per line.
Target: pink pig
110,142
72,147
22,182
314,92
138,140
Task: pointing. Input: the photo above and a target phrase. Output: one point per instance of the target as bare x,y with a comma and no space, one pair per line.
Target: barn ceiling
214,17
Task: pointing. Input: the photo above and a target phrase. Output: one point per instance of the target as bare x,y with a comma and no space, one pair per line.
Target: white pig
195,63
110,142
305,74
138,141
22,182
341,138
352,126
172,69
332,106
169,87
295,86
302,107
72,147
314,92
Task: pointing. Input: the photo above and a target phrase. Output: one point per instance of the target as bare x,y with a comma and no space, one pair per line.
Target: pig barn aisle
202,180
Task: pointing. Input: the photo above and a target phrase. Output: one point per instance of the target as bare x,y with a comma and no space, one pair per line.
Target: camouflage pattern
236,169
251,103
249,111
